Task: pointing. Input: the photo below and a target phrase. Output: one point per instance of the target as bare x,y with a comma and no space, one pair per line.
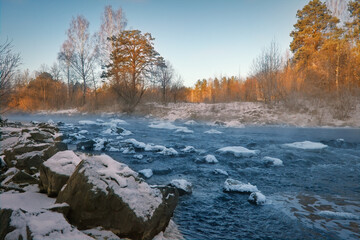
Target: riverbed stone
103,192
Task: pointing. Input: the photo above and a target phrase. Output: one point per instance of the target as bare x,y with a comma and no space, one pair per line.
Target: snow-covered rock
55,172
151,147
232,185
188,149
211,159
257,198
170,126
147,173
103,192
272,161
306,145
183,186
238,151
220,171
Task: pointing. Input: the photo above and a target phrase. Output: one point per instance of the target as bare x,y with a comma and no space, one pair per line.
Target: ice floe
232,185
306,145
238,151
87,122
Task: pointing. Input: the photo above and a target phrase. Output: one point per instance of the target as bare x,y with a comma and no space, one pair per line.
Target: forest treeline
120,67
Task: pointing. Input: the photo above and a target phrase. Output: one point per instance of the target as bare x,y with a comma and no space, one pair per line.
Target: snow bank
273,161
63,163
306,145
211,159
232,185
339,215
238,151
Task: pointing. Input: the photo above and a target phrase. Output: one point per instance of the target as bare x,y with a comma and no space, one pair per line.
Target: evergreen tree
315,24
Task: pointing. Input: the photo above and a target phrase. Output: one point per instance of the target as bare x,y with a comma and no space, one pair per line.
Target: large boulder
55,172
106,193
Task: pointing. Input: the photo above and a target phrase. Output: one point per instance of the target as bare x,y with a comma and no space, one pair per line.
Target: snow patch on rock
63,163
273,161
232,185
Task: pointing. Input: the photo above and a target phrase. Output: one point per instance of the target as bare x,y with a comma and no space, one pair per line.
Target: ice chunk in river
211,159
213,131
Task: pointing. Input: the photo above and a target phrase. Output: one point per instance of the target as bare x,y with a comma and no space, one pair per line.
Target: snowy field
237,182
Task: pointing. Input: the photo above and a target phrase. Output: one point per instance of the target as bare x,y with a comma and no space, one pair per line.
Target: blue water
308,183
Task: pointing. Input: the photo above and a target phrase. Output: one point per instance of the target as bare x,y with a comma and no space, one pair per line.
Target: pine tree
132,61
315,24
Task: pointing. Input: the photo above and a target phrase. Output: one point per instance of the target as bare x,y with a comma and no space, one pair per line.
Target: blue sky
201,38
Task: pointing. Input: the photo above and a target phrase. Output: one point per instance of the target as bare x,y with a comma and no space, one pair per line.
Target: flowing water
314,195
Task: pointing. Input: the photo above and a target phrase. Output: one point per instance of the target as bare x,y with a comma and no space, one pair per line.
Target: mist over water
315,194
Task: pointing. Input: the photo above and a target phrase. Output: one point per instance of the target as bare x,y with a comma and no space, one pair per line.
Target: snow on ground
63,162
151,147
232,185
273,161
306,145
213,131
238,151
339,215
238,114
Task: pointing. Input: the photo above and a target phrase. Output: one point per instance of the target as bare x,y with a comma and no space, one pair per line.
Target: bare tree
164,75
80,50
112,23
55,71
9,62
266,68
176,87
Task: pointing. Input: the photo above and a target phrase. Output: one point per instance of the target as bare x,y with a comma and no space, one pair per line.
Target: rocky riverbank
50,192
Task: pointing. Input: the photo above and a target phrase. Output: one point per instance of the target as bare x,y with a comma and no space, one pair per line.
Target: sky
201,38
